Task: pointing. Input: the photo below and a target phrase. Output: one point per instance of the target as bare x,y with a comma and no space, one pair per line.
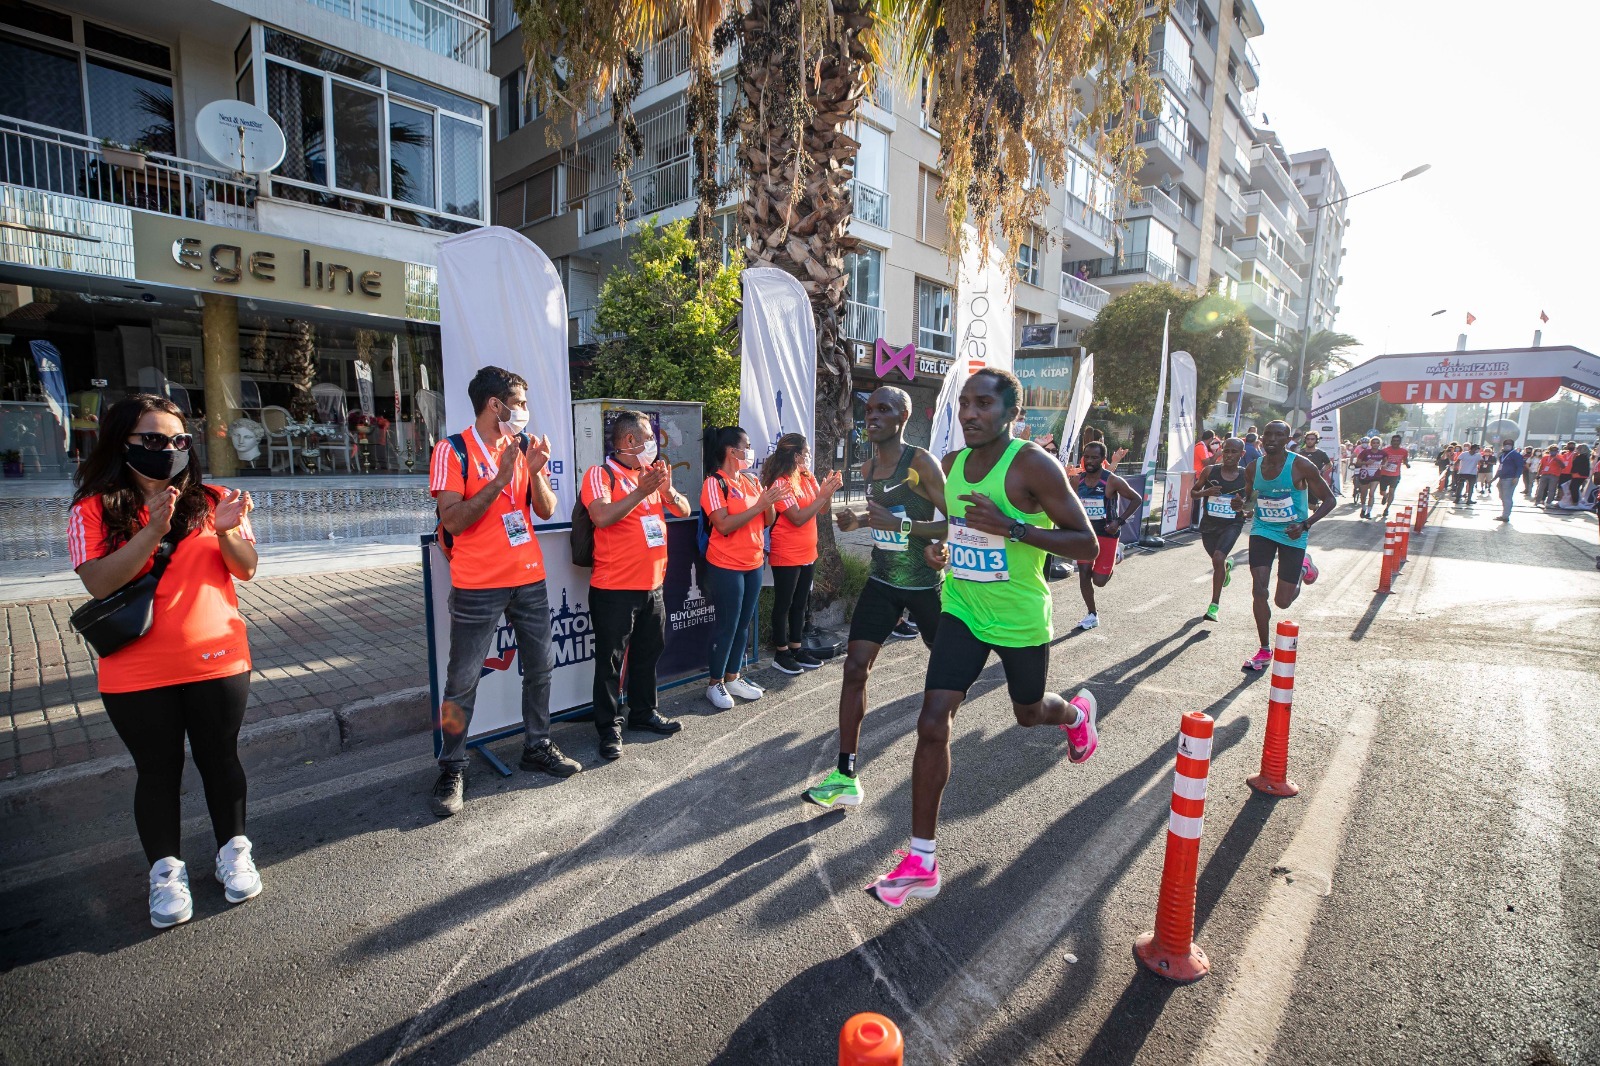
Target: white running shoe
717,693
236,871
1089,621
745,689
170,901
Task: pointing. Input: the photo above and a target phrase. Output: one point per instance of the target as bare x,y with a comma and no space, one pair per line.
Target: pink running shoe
910,879
1259,661
1308,570
1083,738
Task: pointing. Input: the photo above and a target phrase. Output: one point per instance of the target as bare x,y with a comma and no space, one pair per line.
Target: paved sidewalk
318,642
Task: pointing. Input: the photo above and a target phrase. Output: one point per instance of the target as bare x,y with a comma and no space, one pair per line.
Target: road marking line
1256,1000
1150,604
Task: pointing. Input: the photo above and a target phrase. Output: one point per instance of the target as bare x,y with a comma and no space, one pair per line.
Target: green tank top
897,558
997,585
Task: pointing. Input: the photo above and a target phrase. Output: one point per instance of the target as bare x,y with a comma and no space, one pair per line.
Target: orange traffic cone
1386,568
1170,950
1274,776
870,1040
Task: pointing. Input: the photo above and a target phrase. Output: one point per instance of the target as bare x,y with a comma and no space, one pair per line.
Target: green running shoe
1227,572
1211,612
835,790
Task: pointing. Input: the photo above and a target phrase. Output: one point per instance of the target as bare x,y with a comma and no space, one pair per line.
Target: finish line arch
1510,375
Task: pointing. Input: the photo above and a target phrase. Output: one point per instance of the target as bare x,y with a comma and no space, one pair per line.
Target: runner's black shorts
958,658
1220,537
1263,550
1387,482
881,604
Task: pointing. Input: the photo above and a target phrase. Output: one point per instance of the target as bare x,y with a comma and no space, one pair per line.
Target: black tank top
896,559
1096,503
1211,520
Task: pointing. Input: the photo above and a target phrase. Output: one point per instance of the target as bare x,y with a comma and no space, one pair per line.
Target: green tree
669,336
1126,341
1325,358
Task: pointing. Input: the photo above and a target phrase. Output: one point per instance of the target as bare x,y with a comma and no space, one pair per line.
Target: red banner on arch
1471,390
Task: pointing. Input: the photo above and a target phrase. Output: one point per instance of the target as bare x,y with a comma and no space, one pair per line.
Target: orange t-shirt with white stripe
743,550
197,633
630,553
482,555
796,545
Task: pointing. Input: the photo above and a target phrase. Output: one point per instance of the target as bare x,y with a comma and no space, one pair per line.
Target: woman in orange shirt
190,674
736,511
794,546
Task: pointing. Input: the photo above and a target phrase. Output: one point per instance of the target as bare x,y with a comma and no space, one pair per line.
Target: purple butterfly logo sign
885,358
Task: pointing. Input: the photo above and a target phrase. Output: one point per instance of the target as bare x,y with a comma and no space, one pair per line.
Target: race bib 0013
976,555
1279,510
891,540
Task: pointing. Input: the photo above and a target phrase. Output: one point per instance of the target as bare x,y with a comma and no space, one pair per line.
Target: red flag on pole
1471,318
1543,317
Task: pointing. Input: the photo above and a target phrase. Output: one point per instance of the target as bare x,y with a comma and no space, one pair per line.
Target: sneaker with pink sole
1259,661
910,879
1084,738
1308,570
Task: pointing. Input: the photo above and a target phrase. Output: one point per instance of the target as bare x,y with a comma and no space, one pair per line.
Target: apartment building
1217,206
132,261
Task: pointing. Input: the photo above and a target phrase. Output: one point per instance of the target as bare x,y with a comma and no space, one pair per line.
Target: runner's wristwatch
905,527
1018,531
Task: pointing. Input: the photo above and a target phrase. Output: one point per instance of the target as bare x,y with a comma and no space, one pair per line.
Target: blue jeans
474,620
735,594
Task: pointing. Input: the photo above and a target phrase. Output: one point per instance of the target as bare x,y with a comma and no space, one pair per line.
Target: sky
1499,98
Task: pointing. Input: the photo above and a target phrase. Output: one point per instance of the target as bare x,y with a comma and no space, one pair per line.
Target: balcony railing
666,59
1153,201
654,190
1084,296
1257,203
1257,249
869,205
1156,133
71,164
1264,155
1253,294
662,178
1269,389
458,31
1169,65
1132,263
1089,218
862,322
1252,59
1231,264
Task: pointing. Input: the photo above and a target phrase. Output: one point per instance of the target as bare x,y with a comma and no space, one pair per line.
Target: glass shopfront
315,391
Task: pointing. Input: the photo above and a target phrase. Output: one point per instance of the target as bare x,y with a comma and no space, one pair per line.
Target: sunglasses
157,442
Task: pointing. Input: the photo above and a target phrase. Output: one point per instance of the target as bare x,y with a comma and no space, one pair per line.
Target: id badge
655,531
976,555
516,528
891,540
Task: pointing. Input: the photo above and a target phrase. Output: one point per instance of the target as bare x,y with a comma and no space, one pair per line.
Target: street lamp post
1311,279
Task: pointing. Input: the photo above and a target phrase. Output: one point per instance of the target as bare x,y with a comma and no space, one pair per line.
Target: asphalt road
1433,894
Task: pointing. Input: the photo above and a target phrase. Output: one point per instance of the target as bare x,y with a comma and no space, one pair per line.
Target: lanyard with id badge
976,555
514,520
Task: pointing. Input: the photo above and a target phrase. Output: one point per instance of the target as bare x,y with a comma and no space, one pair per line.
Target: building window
79,76
1029,253
932,225
934,332
357,128
863,308
869,198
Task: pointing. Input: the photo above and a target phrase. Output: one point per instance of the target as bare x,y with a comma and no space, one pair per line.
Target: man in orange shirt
485,481
627,498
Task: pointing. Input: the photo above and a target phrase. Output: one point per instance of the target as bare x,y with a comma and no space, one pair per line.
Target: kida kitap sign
195,255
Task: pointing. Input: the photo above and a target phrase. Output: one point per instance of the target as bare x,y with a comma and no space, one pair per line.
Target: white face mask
749,458
518,423
647,454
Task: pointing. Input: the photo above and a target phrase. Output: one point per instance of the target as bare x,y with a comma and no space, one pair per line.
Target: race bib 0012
976,555
1279,510
891,540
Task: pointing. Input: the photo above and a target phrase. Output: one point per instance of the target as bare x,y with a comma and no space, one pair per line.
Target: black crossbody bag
115,621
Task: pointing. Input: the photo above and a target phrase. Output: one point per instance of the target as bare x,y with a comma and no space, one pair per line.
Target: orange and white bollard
1274,776
1423,500
1386,568
870,1039
1170,950
1403,528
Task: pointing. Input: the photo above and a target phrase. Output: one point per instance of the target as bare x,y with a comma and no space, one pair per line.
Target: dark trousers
791,587
1465,482
735,594
153,723
632,621
474,621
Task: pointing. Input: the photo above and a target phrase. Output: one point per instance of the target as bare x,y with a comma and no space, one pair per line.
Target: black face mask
157,466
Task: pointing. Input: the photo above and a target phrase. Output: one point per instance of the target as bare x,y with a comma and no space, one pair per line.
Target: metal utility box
678,428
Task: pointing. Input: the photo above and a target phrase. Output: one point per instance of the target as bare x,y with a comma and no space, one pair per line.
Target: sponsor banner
499,704
983,335
1047,389
1518,375
1152,442
1078,409
1176,511
1131,529
501,304
778,359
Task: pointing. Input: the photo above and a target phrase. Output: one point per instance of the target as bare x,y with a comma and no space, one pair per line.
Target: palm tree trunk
797,200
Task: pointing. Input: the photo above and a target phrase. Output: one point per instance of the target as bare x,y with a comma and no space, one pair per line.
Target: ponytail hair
785,458
718,440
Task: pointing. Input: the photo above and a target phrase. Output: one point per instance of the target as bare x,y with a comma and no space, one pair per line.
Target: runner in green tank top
1009,505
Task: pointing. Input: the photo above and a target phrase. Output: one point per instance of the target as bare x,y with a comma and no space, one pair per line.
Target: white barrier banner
501,304
778,359
983,315
1180,444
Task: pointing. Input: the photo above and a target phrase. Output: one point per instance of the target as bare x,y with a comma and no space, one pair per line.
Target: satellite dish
240,136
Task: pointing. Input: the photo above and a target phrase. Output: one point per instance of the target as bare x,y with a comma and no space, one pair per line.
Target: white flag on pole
983,335
1077,409
1154,439
1180,440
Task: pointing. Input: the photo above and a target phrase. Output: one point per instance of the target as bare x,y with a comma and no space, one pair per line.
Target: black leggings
152,723
791,587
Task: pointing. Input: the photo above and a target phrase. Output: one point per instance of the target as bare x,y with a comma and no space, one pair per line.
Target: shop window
933,317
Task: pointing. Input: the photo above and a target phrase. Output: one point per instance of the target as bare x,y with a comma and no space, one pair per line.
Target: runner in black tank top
1219,522
1099,490
904,483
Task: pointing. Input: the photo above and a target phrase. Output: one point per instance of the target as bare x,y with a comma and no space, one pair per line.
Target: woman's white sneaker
745,690
717,693
170,901
236,871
